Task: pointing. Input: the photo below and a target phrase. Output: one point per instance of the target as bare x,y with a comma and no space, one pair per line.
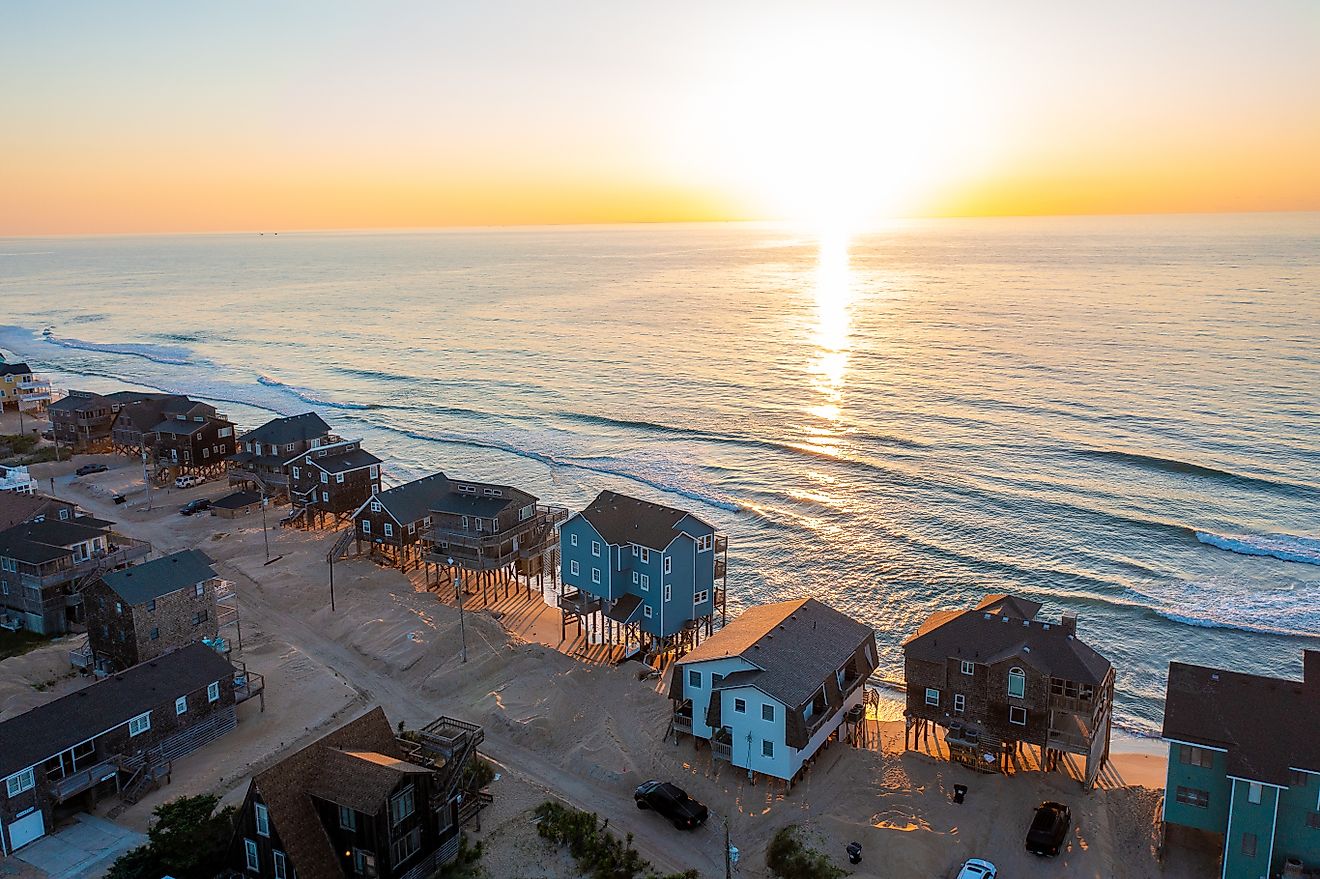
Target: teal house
642,571
1244,767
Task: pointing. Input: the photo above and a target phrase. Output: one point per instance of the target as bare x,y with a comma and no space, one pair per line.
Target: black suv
197,506
88,469
1048,829
672,802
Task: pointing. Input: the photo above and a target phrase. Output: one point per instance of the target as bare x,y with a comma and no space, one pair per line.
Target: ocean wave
1174,465
310,397
164,354
1288,547
1236,603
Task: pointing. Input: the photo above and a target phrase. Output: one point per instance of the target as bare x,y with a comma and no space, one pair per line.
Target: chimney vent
1068,622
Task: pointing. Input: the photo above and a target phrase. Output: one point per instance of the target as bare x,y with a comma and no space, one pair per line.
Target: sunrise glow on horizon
153,117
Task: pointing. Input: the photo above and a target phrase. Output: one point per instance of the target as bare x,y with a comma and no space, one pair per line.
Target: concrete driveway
83,849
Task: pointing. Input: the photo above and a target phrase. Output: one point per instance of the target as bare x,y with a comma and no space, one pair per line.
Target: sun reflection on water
833,295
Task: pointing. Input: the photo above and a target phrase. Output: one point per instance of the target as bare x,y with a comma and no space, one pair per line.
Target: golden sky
168,117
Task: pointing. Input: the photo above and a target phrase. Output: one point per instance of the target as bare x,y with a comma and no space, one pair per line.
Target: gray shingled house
772,687
995,677
263,454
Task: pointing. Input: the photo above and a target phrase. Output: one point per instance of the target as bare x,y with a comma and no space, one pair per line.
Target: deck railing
683,717
75,783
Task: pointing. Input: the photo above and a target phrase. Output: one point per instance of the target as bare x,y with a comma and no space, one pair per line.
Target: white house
771,687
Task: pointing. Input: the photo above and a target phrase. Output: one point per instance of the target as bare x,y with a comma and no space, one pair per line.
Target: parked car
672,802
975,868
197,506
188,481
87,469
48,435
1049,828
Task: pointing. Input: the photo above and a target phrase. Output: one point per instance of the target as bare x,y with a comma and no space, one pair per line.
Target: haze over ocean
1115,416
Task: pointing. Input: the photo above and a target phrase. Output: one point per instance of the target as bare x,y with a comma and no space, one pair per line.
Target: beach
561,726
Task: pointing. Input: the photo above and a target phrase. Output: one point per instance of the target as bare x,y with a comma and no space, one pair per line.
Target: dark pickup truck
1049,828
672,802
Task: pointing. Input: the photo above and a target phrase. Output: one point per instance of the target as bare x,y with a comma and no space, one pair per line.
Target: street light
458,594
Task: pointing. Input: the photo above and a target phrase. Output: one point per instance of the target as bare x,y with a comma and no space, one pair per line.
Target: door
26,829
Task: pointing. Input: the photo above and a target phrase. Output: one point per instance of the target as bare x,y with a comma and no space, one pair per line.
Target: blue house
1244,768
646,569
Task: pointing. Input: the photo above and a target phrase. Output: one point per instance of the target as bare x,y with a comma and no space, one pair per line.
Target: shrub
466,865
598,852
790,858
187,841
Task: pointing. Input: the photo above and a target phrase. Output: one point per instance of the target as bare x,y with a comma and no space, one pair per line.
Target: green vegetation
790,858
20,642
21,449
187,841
477,774
599,853
467,863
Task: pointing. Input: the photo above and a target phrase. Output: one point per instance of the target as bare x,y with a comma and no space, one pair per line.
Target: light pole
458,594
265,535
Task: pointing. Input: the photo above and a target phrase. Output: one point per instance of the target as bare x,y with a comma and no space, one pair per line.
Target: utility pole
146,478
332,580
728,852
265,535
458,593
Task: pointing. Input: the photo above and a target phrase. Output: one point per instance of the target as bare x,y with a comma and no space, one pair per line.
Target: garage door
26,829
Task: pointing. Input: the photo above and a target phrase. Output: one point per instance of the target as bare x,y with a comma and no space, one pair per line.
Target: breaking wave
1233,603
166,354
310,398
1288,547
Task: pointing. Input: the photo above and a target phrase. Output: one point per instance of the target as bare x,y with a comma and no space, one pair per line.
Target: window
280,871
1297,778
253,859
740,705
646,611
700,597
968,668
119,607
959,703
573,567
325,497
1190,796
1017,715
325,478
1248,845
339,478
181,705
1189,755
595,575
694,678
224,431
669,565
366,526
155,634
140,724
645,583
372,471
401,805
768,712
669,592
1017,683
705,543
9,564
407,845
933,697
635,576
199,589
20,781
263,819
595,548
412,526
347,818
572,540
359,861
375,506
767,748
199,617
478,522
1254,791
389,529
151,606
213,691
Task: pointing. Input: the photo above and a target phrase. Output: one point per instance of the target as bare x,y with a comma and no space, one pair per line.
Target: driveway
83,849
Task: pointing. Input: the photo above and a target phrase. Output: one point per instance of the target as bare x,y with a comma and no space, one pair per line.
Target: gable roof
999,628
17,508
360,779
291,429
143,415
39,542
478,503
340,461
795,645
621,520
19,368
1267,725
39,733
412,500
150,580
79,400
287,789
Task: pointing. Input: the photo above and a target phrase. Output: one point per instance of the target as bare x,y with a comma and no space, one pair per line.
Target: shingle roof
621,520
354,459
412,501
182,428
19,368
359,779
795,645
237,500
77,400
1267,725
17,508
39,542
996,629
150,580
462,503
143,415
292,429
36,734
288,786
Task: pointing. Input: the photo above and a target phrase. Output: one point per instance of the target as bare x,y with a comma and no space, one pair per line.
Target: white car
976,868
188,481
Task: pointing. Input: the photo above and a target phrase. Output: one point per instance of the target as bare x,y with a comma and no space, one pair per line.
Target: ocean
1114,416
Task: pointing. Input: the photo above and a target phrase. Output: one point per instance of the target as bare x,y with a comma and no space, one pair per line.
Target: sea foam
1288,547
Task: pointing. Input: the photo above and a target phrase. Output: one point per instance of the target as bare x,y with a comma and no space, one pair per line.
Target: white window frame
739,701
572,540
595,547
968,667
375,506
389,529
669,564
213,691
932,697
1255,792
669,592
595,576
252,855
1014,711
281,869
646,611
199,589
635,577
140,724
574,568
325,478
262,815
767,712
21,781
959,703
645,583
1018,674
700,597
181,705
645,554
339,478
366,526
297,474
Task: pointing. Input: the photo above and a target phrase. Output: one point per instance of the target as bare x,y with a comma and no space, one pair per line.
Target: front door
26,829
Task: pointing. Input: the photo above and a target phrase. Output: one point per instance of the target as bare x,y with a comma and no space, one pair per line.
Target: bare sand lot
584,732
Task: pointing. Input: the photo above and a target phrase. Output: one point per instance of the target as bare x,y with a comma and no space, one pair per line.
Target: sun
836,128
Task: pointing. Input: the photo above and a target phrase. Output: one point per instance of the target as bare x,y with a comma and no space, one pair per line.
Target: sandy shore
585,732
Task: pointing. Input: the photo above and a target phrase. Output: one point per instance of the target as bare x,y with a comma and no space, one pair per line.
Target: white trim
1254,781
1274,829
1228,831
1195,745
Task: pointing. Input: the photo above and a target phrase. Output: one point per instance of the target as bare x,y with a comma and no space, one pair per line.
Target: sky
178,117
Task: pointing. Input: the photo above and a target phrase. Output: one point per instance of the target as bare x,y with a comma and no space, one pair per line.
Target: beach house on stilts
996,678
331,482
389,525
643,572
263,457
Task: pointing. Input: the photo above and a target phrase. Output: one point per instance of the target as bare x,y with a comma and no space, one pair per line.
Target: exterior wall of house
205,448
116,740
1250,835
569,553
1213,780
9,387
326,491
129,634
1294,836
798,756
371,527
749,730
268,843
987,702
700,694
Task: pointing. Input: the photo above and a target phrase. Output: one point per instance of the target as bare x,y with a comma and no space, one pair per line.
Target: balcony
248,684
72,785
721,745
683,718
579,602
